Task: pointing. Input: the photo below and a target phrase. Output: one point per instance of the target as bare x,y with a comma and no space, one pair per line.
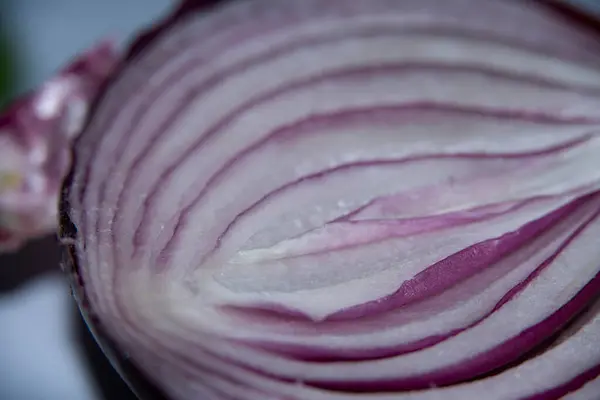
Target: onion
347,199
35,139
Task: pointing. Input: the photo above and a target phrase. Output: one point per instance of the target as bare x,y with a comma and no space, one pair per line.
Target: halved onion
348,199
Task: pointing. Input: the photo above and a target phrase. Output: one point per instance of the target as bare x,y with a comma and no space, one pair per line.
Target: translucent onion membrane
348,199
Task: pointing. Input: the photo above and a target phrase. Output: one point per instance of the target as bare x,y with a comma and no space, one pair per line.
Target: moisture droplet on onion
347,199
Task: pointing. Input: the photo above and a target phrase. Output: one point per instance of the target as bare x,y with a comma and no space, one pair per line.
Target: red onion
35,139
348,199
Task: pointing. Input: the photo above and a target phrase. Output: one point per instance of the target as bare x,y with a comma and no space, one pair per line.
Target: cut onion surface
347,199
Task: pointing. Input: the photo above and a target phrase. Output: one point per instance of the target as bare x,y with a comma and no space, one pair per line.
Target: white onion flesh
354,199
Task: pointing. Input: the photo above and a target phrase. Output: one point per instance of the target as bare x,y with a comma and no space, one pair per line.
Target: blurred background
45,351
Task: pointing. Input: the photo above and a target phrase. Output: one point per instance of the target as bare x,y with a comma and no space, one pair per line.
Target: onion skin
368,262
36,133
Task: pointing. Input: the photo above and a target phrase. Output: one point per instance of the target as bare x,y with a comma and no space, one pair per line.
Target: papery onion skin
347,200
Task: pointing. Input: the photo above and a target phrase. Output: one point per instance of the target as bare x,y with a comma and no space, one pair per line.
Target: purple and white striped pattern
349,199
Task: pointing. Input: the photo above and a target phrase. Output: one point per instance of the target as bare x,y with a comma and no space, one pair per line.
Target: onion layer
348,199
